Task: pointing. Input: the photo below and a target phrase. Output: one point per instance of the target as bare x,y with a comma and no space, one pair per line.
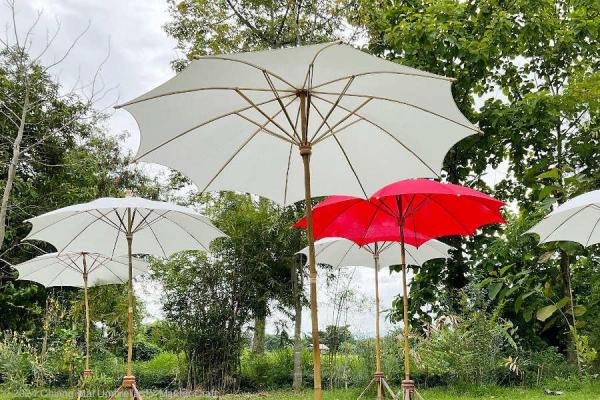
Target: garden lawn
583,392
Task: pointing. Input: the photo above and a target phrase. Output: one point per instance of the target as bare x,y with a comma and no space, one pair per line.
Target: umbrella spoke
265,129
187,232
333,107
587,242
351,113
345,155
385,131
240,148
276,94
269,118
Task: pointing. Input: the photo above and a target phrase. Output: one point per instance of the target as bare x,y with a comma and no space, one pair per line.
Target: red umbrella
411,211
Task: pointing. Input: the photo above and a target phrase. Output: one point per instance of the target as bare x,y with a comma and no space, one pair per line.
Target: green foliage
161,371
217,27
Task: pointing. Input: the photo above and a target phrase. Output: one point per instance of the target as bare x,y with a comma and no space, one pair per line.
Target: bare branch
71,47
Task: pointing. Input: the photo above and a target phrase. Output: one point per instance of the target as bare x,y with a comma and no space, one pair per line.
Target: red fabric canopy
424,208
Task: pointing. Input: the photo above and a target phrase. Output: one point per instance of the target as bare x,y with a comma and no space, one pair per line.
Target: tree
37,115
228,26
525,71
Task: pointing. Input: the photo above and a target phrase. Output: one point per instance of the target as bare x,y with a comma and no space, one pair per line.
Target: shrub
159,372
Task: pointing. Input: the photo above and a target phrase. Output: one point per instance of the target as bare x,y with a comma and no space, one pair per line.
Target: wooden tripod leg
389,389
114,395
365,390
136,394
418,395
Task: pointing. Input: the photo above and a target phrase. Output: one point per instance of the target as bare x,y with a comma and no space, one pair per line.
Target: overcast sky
140,56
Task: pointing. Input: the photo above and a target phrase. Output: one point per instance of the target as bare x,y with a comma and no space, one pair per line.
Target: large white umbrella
340,253
83,270
576,220
109,226
294,123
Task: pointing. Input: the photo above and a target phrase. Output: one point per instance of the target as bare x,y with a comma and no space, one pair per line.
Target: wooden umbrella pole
377,332
87,372
378,374
305,152
128,384
130,296
408,385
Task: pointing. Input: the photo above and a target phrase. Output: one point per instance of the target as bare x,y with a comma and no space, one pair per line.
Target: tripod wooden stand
378,380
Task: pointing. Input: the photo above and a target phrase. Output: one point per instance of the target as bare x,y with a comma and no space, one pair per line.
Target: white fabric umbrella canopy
576,220
79,269
374,121
118,226
66,269
100,226
340,252
357,122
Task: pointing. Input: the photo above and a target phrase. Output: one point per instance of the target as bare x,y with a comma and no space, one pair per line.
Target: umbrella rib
189,233
238,150
56,276
369,225
467,232
264,114
249,64
345,155
287,175
332,108
312,62
385,131
564,222
209,121
344,256
112,272
287,171
587,242
383,72
476,130
329,132
276,94
415,261
84,229
186,91
158,241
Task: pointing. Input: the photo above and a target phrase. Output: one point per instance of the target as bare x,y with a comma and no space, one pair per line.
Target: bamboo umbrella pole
130,296
378,373
305,152
408,385
87,372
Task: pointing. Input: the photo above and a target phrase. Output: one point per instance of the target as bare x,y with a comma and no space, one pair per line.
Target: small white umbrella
83,270
109,226
340,252
294,123
577,220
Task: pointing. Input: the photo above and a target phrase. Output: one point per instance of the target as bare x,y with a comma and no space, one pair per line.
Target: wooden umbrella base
128,385
409,392
381,385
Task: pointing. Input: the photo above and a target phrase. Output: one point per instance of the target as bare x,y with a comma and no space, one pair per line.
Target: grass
582,392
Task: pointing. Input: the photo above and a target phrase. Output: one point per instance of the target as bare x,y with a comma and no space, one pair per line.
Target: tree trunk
258,343
565,278
12,167
297,293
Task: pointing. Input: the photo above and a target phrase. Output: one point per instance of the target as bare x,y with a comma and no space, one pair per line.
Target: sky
139,55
